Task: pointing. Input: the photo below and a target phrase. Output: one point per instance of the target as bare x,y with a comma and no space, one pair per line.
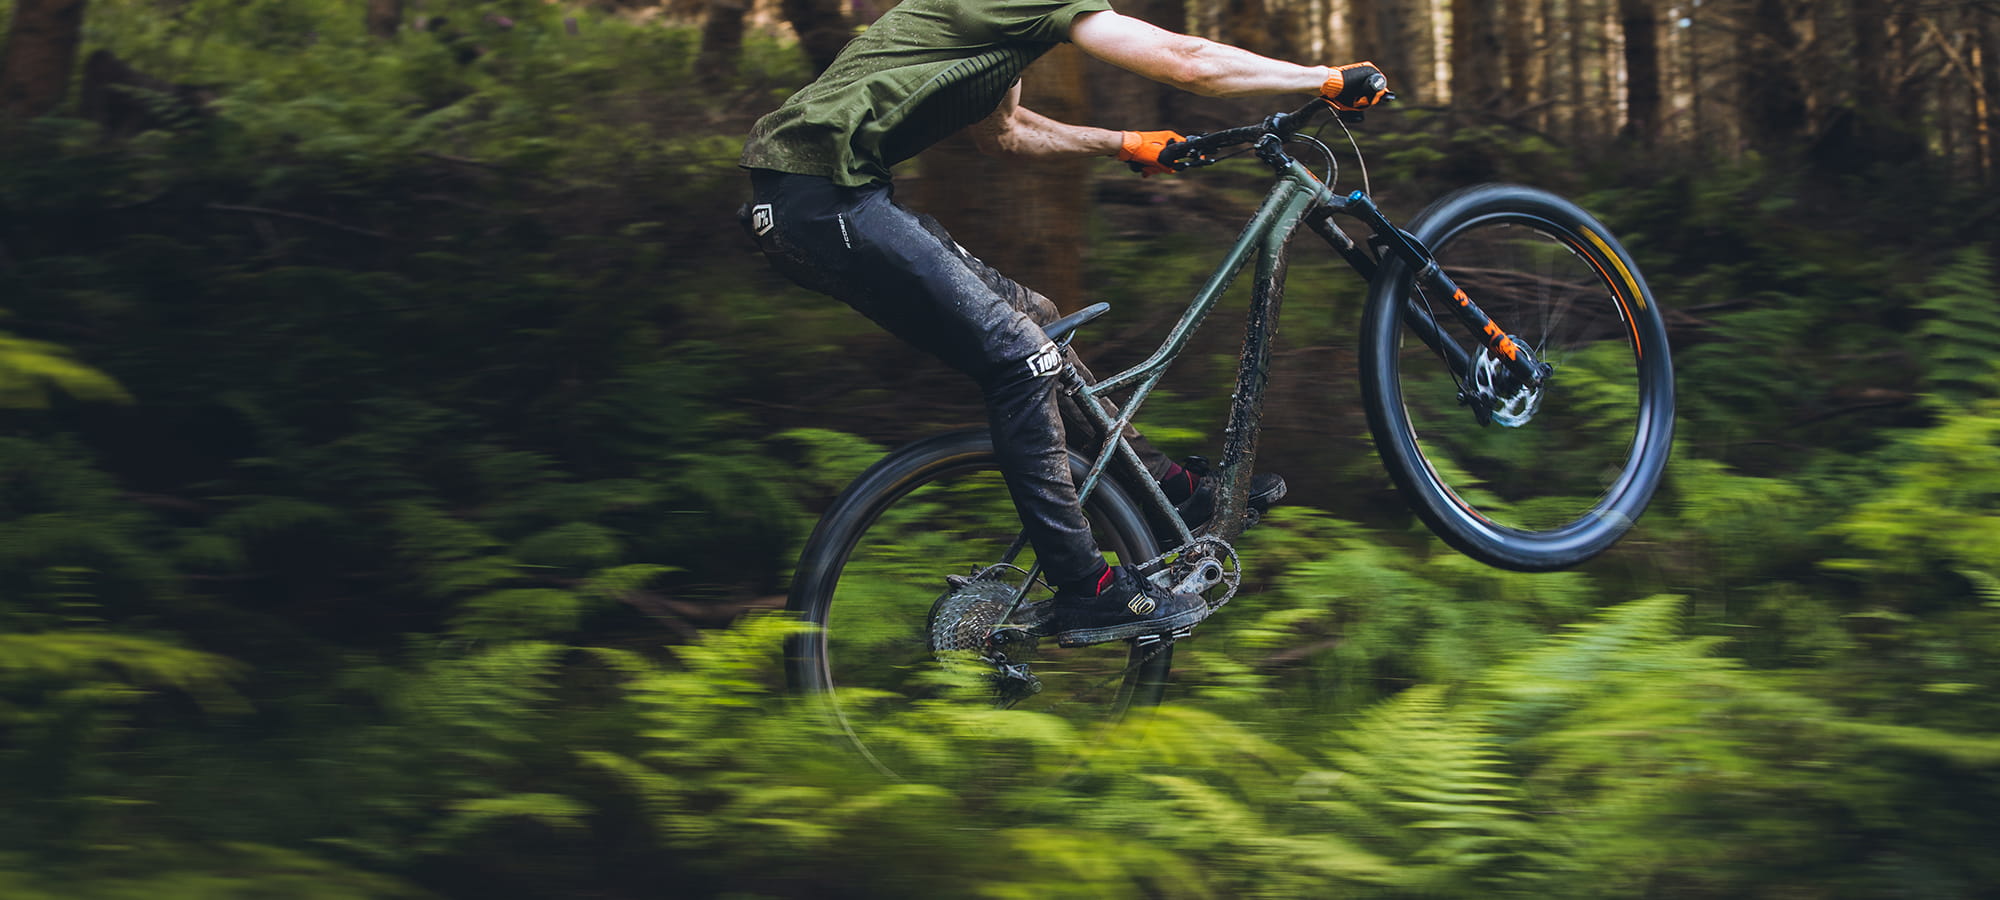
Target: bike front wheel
878,561
1538,479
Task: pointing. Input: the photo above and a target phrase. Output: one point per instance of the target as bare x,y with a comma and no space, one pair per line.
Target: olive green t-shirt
926,69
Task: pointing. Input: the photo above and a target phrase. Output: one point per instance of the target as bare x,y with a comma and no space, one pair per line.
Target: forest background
400,447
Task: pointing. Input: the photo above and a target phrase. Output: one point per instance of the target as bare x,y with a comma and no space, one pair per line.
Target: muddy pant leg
1084,433
859,246
1028,439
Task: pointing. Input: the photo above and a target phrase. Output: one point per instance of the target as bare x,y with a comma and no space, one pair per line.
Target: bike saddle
1059,329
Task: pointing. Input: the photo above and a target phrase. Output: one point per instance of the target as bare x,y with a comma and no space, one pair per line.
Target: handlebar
1194,151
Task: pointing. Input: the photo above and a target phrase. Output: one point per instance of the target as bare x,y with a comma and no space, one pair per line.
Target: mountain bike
1517,384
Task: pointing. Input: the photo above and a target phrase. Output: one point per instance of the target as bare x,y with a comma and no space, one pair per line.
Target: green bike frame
1297,196
1264,239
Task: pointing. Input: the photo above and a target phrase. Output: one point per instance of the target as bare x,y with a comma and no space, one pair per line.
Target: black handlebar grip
1173,152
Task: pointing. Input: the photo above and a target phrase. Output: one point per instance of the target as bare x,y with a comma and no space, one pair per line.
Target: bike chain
1184,560
1184,557
1187,557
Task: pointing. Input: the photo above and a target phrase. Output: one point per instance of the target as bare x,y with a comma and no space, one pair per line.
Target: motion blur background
401,449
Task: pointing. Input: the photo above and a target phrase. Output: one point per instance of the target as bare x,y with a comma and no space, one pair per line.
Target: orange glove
1142,150
1355,86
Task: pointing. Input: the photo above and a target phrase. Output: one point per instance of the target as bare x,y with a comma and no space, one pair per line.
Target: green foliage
179,872
30,369
1431,795
1961,340
361,422
1937,508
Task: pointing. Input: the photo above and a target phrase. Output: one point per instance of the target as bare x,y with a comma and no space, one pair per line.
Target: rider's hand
1142,150
1353,87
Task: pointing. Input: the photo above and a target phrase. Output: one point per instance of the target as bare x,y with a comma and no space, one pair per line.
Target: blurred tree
1263,26
1476,63
384,17
1576,92
38,56
1774,103
822,26
1986,59
1642,71
1394,34
1524,92
721,39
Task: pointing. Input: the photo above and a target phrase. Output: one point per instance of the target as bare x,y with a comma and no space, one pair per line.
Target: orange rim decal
1631,324
1630,282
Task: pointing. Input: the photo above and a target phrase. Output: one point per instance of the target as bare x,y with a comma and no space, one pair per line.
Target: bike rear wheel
1561,472
874,566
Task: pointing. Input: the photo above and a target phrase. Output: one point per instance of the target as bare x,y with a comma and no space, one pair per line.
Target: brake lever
1181,155
1193,162
1355,116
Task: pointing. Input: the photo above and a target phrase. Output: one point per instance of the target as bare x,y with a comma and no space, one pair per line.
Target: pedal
1153,640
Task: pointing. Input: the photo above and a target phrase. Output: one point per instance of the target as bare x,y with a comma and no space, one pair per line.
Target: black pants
903,271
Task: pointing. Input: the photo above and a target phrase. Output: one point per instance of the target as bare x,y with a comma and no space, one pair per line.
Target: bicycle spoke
1552,453
874,656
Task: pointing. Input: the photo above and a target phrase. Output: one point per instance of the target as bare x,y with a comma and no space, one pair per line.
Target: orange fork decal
1501,341
1498,339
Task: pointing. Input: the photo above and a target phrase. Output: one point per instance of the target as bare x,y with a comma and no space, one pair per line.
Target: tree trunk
721,39
1548,64
1642,70
1391,33
1578,92
822,28
1260,26
1024,218
1518,41
39,55
1774,108
1988,66
384,17
1476,73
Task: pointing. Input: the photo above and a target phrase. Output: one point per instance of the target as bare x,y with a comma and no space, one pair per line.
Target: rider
825,216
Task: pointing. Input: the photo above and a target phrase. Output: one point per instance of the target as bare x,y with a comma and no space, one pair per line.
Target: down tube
1264,237
1253,373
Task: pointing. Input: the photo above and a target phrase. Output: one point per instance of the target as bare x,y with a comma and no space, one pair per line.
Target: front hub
1498,395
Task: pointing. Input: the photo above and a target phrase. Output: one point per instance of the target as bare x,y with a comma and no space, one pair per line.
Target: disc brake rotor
1515,408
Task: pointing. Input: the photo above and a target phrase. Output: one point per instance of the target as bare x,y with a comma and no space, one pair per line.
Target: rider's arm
1018,132
1193,64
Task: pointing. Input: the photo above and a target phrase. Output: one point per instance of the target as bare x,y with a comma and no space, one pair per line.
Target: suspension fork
1518,360
1415,316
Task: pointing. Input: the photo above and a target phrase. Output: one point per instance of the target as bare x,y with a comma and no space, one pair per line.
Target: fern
1937,507
1430,792
186,871
31,370
1958,344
